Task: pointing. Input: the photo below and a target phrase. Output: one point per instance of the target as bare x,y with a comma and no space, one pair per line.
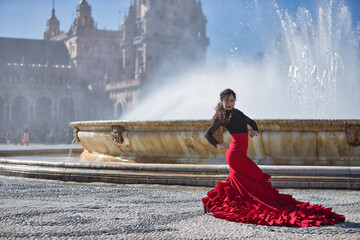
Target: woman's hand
222,145
253,133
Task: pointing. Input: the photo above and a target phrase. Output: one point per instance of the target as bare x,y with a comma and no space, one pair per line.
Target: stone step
184,174
195,168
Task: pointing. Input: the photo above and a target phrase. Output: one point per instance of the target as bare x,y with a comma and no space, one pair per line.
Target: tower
52,26
83,18
95,55
161,34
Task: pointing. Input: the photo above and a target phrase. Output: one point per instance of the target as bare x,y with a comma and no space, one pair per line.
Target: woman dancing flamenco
247,195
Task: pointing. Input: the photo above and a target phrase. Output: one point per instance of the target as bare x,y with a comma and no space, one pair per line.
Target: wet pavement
46,209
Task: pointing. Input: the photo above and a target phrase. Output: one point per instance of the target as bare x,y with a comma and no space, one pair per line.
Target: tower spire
53,9
52,25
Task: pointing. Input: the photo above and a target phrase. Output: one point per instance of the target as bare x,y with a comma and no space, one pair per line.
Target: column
53,113
29,112
10,114
57,112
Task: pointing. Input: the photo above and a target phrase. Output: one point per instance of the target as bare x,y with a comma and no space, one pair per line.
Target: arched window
19,110
85,20
43,109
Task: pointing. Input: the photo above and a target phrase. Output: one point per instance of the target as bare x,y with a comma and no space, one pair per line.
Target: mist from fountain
311,72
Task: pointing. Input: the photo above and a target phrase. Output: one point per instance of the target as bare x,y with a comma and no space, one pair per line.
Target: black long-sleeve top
237,123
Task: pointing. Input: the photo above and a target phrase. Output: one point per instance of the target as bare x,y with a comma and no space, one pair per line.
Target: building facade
90,74
155,36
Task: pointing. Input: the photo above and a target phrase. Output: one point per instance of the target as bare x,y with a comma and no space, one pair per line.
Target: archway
43,109
19,110
67,110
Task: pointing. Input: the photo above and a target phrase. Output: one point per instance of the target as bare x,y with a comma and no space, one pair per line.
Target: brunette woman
247,195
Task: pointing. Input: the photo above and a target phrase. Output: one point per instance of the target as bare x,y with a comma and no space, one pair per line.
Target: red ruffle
228,203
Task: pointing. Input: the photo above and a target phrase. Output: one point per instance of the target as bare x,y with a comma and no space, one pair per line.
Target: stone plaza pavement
46,209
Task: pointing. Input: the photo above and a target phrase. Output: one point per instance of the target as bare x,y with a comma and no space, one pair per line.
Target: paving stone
40,209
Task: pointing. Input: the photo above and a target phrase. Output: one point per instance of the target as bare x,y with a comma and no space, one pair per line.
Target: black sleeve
252,123
210,131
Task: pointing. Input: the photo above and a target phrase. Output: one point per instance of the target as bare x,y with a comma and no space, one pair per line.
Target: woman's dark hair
226,93
220,113
220,110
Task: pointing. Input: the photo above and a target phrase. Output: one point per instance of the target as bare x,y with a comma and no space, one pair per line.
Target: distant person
18,138
42,137
51,137
247,195
8,138
26,138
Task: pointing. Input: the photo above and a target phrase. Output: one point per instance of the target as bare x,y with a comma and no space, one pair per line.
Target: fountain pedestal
281,142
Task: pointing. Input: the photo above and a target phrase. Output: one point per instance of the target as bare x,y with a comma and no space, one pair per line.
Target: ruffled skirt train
248,197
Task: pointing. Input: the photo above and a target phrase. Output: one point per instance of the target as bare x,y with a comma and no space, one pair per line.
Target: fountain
281,142
315,62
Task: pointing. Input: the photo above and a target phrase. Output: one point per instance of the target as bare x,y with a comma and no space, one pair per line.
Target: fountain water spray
314,52
71,147
311,73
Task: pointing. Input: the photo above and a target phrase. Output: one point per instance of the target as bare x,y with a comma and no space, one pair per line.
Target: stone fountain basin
280,142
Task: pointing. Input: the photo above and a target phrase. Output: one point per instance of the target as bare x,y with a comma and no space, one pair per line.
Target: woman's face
228,102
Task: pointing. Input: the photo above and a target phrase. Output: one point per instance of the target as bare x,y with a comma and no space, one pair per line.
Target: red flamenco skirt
248,197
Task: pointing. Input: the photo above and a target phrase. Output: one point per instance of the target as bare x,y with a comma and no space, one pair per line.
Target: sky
244,28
